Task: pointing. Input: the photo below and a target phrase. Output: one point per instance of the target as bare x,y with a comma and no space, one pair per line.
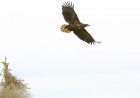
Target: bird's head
85,25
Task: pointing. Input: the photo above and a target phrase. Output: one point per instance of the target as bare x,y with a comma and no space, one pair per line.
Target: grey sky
59,65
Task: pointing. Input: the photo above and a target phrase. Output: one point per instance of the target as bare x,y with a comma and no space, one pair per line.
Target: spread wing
68,12
85,36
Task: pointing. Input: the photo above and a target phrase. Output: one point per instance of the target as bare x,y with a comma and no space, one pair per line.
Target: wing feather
85,36
68,12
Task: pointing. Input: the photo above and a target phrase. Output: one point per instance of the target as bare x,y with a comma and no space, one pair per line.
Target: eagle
74,24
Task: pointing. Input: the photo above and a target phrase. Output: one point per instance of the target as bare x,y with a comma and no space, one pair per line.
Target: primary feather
75,25
68,12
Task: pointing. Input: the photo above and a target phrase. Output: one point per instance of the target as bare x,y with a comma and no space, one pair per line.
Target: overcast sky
59,65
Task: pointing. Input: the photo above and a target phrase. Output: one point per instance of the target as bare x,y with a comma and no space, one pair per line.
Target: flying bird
74,24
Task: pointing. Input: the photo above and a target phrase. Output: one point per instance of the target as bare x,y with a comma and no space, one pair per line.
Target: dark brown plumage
74,23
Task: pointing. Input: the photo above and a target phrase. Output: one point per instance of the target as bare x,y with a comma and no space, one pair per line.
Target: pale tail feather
63,29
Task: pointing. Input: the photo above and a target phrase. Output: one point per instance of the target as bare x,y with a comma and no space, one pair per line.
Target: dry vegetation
11,86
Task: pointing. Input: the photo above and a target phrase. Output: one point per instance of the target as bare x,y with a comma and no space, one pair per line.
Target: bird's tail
63,29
